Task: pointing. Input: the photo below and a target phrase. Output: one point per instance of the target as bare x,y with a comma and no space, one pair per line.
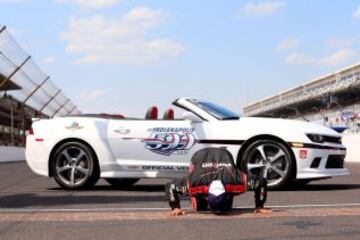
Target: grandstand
25,93
332,100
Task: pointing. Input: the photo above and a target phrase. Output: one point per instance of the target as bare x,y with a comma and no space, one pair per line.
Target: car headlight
316,138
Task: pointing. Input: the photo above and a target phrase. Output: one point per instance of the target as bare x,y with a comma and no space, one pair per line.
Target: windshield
215,110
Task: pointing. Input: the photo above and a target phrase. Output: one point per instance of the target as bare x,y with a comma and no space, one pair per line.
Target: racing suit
179,187
215,164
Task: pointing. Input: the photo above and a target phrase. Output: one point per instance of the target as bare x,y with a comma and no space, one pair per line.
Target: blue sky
122,56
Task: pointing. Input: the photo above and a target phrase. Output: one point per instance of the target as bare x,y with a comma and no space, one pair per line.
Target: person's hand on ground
263,210
177,212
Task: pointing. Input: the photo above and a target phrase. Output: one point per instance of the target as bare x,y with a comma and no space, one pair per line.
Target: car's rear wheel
122,182
74,166
273,158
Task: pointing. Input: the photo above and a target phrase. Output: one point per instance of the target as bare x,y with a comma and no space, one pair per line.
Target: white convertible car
78,150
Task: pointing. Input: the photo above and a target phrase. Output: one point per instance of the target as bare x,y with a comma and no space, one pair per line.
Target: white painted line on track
309,205
29,210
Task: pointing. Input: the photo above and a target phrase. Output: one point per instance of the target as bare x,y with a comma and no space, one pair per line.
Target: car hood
279,124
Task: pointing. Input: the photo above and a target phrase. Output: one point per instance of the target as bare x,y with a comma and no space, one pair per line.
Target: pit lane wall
11,154
352,144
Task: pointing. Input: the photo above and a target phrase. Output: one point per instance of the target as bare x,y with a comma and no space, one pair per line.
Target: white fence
352,144
11,154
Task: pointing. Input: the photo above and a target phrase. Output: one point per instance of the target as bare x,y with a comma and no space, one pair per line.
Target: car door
155,145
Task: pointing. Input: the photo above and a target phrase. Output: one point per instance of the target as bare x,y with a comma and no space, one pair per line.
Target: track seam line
31,210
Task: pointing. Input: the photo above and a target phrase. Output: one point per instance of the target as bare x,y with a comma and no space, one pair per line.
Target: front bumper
313,163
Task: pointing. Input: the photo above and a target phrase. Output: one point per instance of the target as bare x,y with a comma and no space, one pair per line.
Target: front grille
332,139
335,161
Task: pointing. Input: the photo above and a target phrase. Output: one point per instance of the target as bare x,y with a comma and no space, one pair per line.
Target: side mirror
192,117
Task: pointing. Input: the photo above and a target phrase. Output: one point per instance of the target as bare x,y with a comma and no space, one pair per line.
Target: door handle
122,131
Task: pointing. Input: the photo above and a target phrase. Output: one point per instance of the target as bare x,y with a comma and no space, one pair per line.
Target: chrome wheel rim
73,166
272,159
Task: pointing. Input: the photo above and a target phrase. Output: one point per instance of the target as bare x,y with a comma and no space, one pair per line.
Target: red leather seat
169,114
152,113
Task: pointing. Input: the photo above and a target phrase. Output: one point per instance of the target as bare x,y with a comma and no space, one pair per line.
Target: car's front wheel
74,166
122,182
273,158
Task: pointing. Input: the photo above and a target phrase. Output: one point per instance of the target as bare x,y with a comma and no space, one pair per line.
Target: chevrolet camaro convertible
78,150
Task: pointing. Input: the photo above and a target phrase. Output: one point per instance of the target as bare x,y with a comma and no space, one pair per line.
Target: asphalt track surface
34,207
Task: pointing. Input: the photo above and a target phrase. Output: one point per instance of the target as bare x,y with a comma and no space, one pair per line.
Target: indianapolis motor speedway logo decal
169,141
74,126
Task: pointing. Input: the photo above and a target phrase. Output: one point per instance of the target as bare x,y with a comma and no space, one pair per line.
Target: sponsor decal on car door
162,145
169,141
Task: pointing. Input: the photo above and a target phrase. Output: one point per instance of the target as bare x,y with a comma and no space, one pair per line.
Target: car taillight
31,131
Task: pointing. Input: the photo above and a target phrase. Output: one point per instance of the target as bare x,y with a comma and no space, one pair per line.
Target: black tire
122,182
86,167
284,165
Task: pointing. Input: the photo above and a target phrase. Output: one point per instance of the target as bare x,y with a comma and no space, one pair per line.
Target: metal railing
29,90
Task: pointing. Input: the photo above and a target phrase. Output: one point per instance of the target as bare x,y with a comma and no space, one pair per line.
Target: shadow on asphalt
34,200
318,187
134,188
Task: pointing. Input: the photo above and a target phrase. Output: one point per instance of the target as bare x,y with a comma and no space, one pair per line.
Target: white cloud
119,40
261,9
341,56
356,14
48,60
341,42
299,58
90,3
288,43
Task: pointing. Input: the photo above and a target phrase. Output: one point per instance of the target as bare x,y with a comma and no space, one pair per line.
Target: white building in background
333,100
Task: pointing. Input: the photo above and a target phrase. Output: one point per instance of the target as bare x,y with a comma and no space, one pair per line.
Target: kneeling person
213,181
